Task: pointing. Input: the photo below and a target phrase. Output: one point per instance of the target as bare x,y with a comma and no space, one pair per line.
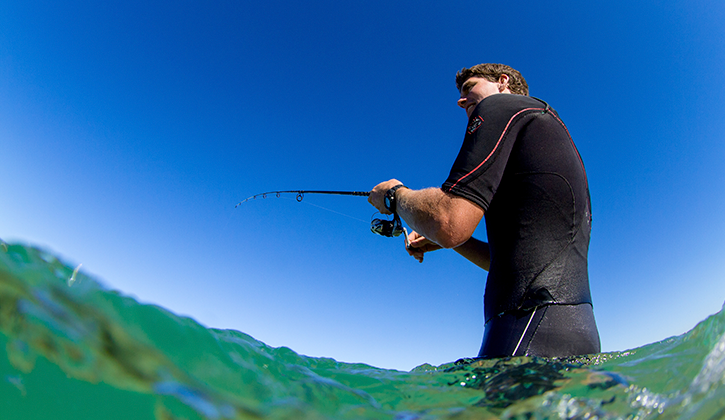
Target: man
518,167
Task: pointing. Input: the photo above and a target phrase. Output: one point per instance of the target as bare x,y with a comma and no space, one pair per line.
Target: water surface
72,349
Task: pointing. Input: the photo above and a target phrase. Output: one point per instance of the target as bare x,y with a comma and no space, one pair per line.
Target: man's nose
462,103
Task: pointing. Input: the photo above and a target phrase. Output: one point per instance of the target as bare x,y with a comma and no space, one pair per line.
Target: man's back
520,165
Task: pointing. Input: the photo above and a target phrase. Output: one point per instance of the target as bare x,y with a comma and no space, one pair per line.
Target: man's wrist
391,202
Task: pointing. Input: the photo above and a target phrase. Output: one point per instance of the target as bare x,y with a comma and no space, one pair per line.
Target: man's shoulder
503,106
513,100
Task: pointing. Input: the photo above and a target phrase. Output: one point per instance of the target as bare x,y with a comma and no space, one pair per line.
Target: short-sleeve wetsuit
519,164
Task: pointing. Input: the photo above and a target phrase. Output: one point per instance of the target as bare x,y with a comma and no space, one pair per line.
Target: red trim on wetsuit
496,146
581,161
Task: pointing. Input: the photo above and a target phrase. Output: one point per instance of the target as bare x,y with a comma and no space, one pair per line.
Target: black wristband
390,202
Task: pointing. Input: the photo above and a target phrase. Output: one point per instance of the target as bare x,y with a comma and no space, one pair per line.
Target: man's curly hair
492,72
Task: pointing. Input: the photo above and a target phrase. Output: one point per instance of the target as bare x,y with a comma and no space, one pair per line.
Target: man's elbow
450,239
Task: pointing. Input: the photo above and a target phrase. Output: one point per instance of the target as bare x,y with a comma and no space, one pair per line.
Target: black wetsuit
519,164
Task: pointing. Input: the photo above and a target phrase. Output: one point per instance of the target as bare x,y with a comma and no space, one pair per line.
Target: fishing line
300,200
334,211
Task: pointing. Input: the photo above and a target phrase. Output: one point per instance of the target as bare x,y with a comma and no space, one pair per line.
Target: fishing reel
389,228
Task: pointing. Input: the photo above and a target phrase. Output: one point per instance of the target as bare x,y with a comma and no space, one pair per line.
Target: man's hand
377,195
419,245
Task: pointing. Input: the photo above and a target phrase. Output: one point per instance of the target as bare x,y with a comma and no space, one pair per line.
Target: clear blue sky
129,130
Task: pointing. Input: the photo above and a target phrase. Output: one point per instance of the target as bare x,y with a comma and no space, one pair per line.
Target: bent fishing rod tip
301,194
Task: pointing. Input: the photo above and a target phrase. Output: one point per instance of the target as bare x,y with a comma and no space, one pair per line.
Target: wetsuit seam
578,155
571,140
576,227
571,240
574,224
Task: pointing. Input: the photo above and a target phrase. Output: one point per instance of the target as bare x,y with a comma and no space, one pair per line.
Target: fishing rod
301,194
381,227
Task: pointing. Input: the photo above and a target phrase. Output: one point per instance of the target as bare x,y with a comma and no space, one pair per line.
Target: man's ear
503,82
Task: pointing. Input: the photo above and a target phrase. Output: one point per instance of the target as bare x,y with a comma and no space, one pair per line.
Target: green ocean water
72,349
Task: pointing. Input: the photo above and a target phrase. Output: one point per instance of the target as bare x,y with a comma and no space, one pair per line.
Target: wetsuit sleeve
479,167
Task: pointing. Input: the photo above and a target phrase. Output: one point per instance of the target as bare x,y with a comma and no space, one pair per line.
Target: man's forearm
477,252
446,220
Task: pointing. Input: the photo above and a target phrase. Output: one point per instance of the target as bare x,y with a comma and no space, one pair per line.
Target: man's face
474,90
